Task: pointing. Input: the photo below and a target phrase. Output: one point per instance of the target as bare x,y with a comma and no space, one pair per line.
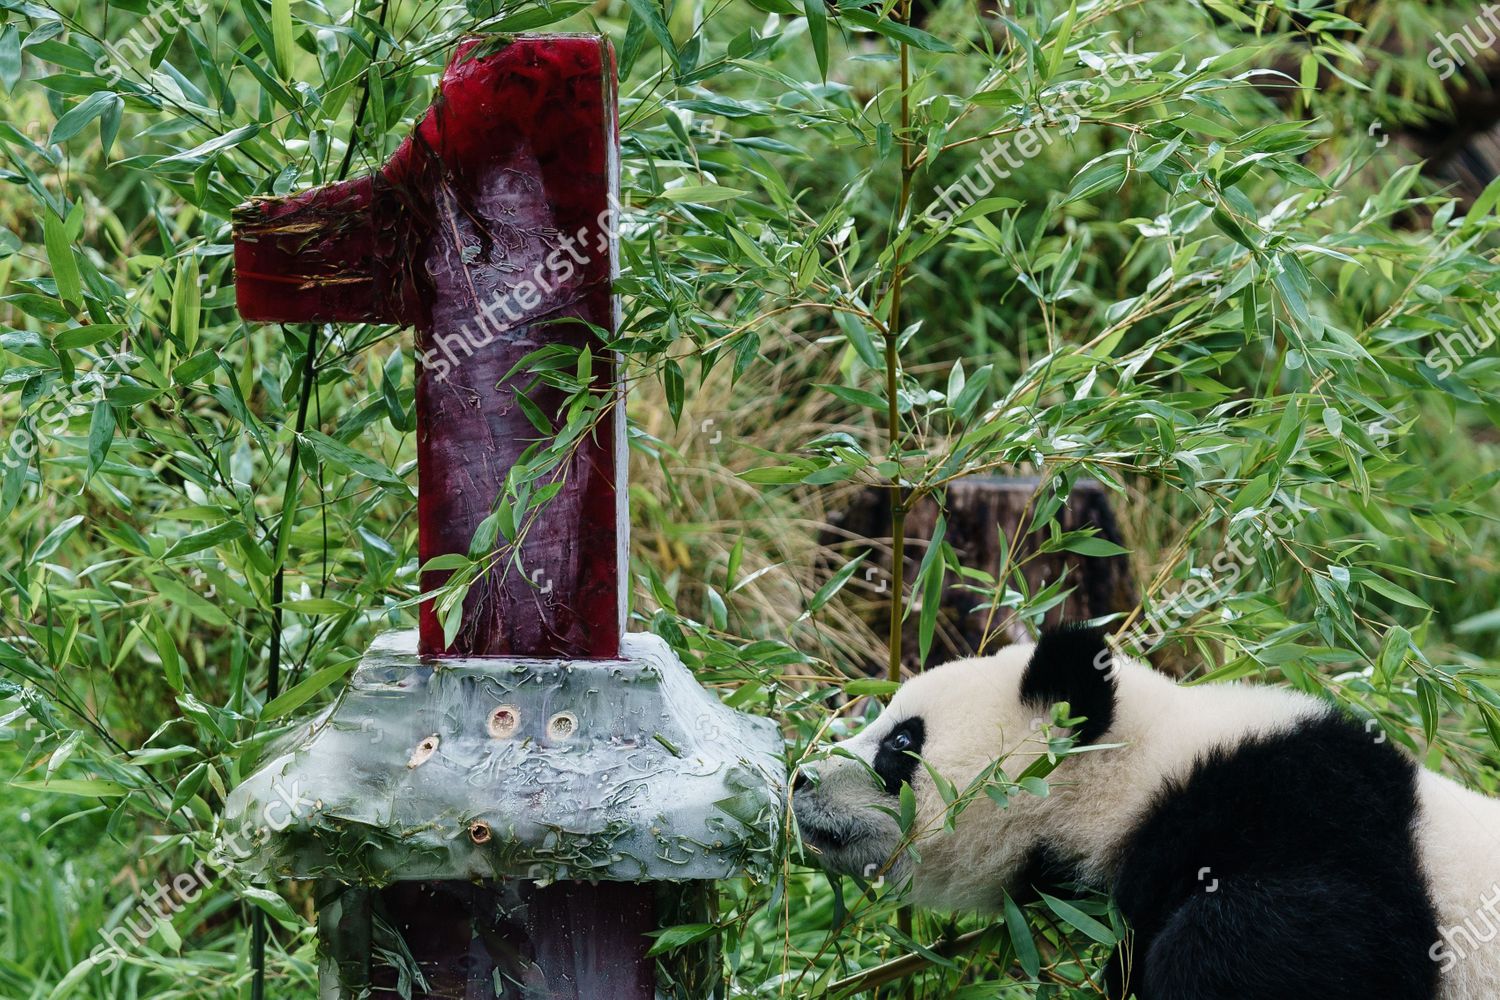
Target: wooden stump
979,510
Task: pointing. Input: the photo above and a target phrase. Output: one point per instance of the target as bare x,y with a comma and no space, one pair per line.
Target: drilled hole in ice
562,726
504,721
424,750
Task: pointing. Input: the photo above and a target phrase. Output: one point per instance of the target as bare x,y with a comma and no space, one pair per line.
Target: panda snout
828,818
816,820
822,832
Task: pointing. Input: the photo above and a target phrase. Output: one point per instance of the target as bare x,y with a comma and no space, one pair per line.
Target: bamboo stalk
899,501
905,966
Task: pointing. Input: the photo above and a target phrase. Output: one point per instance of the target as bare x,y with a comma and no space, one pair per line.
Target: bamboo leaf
1075,917
834,584
650,14
817,30
295,697
281,34
60,256
1021,939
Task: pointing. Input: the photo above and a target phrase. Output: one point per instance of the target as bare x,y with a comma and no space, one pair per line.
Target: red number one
489,224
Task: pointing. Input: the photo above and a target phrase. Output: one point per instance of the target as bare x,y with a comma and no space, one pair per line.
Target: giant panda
1260,844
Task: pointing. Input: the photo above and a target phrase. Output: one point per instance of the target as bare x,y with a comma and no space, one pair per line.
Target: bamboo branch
905,966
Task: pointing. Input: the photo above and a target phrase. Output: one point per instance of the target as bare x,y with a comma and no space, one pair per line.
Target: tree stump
979,509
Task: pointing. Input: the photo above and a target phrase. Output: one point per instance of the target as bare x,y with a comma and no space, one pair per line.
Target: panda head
957,720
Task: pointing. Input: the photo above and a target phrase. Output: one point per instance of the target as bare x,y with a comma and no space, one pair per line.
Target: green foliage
1190,269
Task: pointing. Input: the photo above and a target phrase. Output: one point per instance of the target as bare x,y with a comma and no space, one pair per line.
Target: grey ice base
485,768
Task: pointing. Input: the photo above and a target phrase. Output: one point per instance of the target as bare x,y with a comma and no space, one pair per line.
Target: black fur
1306,839
1044,871
896,764
1073,664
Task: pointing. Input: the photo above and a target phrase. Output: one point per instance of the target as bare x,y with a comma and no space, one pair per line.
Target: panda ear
1073,664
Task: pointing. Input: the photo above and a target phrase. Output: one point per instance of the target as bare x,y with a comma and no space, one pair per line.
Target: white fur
1459,835
971,707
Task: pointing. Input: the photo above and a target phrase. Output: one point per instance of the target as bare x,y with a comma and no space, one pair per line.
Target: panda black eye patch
896,760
